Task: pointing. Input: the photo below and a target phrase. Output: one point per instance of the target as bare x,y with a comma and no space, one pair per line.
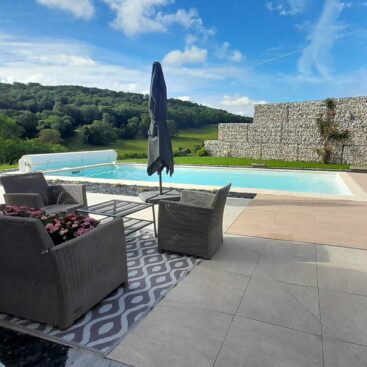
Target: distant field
187,138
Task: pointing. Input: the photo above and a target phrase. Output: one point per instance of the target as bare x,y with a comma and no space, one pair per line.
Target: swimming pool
328,183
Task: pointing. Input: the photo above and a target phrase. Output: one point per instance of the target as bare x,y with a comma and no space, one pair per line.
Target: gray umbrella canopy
160,154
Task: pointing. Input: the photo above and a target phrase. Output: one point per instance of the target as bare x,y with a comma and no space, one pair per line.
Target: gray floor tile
212,289
342,354
335,254
344,316
175,336
255,344
289,262
292,306
342,269
237,255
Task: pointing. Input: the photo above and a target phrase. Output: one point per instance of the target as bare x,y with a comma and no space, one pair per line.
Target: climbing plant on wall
329,131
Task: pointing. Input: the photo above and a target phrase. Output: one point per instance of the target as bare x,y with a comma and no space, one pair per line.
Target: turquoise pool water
306,182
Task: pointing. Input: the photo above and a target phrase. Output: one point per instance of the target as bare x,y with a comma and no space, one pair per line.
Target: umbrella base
153,197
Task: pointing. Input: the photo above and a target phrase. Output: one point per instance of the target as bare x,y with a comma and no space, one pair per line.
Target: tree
50,136
99,133
329,132
28,121
172,128
144,125
9,128
61,123
130,130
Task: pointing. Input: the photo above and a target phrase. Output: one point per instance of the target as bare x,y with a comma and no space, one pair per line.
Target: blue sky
225,54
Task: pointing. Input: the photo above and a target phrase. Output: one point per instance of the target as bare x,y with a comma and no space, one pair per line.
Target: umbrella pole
160,183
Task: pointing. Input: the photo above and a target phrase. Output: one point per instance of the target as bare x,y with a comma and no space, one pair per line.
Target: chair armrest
26,199
68,194
201,199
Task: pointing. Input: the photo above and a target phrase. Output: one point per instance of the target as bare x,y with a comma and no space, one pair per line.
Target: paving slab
342,354
283,304
256,344
175,336
288,262
237,255
344,316
212,289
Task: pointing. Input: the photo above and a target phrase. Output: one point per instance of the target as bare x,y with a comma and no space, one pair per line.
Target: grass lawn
187,139
245,162
7,166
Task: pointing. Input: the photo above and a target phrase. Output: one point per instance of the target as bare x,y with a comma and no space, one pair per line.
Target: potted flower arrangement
61,227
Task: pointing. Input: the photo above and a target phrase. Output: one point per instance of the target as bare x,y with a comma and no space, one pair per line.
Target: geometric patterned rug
151,276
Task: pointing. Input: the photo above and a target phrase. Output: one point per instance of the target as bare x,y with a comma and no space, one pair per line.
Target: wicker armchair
193,226
57,284
31,189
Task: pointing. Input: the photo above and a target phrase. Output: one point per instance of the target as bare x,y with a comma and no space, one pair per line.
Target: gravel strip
134,190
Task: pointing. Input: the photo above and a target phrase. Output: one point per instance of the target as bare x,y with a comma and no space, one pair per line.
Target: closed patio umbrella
160,153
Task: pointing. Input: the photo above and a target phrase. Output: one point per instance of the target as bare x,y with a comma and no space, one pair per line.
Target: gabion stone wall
288,131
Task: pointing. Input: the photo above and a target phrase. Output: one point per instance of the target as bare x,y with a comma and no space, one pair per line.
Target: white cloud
190,39
64,59
225,52
191,55
46,62
317,57
136,17
287,7
79,8
241,105
184,98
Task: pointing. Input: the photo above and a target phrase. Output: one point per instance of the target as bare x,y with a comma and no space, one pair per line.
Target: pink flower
63,231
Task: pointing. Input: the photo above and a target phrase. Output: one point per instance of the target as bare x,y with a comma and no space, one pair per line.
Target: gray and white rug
151,276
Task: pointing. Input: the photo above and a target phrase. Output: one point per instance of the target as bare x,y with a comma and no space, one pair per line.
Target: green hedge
12,149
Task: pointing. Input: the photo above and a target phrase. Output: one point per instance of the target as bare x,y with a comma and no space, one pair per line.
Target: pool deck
263,301
298,218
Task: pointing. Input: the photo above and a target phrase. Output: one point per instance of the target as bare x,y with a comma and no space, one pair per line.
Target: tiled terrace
261,301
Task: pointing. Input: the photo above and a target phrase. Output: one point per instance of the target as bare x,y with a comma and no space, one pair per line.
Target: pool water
294,181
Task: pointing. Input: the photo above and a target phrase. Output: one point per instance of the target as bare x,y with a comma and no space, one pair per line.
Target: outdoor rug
151,275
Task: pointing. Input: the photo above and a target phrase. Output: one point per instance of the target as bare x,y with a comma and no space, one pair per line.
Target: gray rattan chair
31,189
193,226
57,284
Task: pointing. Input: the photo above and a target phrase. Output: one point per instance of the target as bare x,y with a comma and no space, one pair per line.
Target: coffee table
122,209
154,197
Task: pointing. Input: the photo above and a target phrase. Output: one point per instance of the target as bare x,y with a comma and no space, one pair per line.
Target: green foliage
12,149
329,131
172,128
62,124
9,128
68,108
181,152
99,133
50,136
130,130
202,152
139,155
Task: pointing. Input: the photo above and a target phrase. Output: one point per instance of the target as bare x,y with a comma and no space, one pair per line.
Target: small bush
202,152
181,152
134,155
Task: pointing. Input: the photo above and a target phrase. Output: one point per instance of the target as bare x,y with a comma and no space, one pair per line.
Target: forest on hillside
36,118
